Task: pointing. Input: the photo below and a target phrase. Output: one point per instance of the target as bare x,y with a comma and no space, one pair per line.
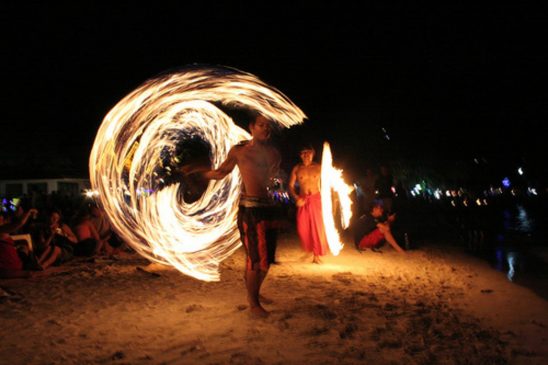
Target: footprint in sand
194,308
348,331
322,311
243,358
343,277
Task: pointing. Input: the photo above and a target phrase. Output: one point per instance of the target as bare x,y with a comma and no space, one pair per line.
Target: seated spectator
14,263
104,229
373,228
89,241
21,209
56,241
56,225
51,254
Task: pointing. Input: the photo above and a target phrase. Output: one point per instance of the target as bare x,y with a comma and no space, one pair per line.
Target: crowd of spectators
42,230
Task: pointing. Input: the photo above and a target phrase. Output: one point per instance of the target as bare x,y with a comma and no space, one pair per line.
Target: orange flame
331,179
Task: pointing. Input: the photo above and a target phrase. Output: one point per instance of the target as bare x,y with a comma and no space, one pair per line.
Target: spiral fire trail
134,138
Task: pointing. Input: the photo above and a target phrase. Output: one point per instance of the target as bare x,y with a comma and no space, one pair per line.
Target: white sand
431,306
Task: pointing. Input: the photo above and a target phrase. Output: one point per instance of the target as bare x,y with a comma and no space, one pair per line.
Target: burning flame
157,223
331,179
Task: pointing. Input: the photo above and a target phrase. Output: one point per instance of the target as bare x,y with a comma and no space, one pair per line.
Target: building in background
65,186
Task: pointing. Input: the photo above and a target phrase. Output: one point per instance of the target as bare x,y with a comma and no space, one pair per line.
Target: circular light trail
144,127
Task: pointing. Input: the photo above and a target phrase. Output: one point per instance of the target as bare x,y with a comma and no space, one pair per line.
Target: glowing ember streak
193,237
331,179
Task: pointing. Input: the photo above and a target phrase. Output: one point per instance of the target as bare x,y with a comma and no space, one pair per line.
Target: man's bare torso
308,178
258,163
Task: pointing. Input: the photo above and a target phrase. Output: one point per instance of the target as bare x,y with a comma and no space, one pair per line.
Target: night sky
442,81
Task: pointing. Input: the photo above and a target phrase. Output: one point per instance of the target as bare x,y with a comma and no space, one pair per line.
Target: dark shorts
86,247
257,227
67,250
64,256
371,239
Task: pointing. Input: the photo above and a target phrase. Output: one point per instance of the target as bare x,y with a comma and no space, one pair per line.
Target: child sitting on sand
373,228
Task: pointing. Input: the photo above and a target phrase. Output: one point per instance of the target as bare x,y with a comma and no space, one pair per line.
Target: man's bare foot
316,260
258,312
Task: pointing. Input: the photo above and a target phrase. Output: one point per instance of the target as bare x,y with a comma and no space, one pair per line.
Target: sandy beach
434,305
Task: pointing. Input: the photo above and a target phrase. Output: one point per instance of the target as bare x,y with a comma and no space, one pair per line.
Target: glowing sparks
134,138
331,179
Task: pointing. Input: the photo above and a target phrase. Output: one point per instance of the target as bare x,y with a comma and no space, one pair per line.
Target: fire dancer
258,162
309,204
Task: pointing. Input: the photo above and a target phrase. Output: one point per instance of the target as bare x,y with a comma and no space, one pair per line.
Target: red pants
371,239
310,226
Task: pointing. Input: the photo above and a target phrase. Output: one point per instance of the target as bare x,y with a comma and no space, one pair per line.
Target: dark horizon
449,85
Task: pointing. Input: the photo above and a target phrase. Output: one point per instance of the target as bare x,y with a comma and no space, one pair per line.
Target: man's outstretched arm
226,167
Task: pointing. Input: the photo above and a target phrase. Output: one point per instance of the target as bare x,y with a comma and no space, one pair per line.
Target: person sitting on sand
55,241
89,241
57,226
14,263
58,234
373,228
102,225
